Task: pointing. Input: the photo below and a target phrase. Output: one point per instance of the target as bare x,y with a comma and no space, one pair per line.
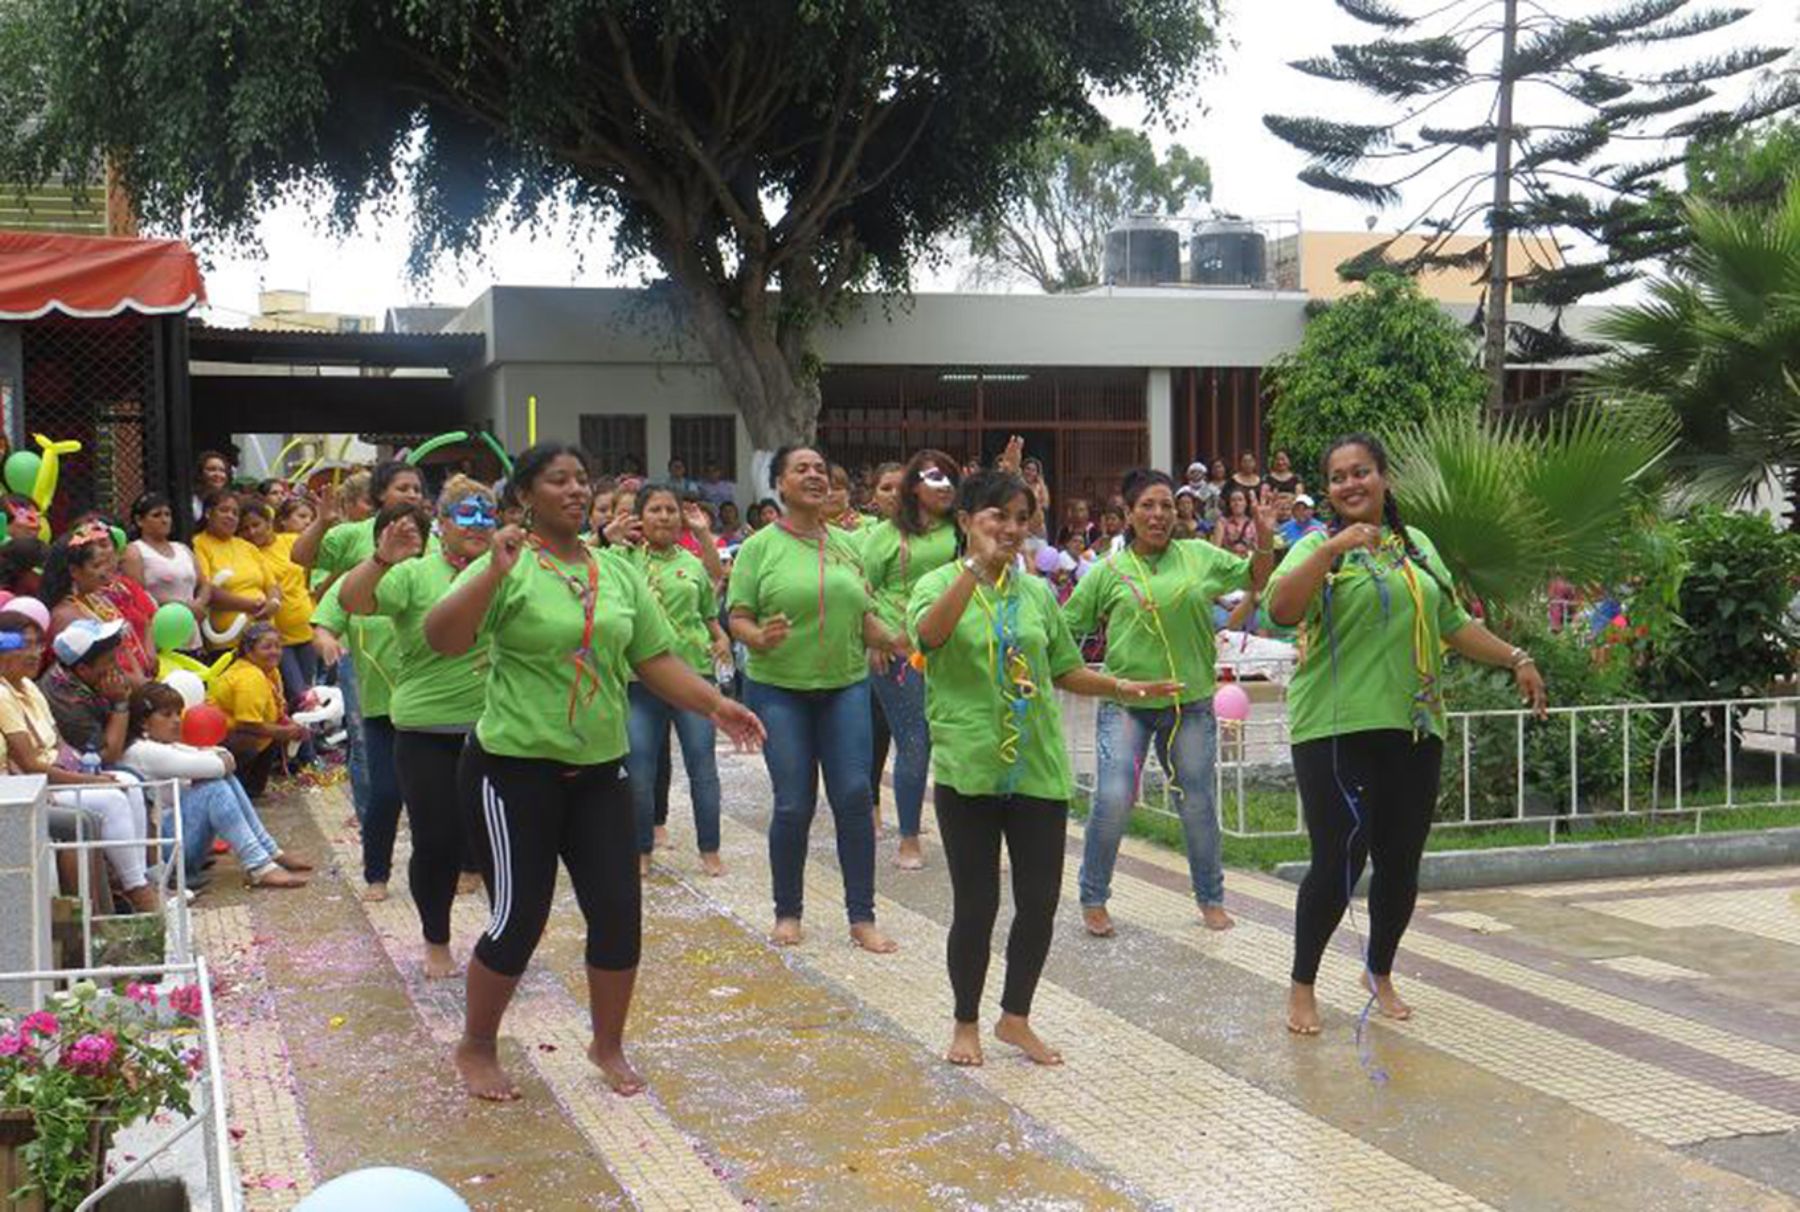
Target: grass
1273,810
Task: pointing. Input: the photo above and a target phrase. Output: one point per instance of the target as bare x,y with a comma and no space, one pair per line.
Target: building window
703,442
614,441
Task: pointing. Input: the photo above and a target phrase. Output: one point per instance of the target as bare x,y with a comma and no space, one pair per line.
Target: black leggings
1395,781
665,774
972,827
425,764
534,811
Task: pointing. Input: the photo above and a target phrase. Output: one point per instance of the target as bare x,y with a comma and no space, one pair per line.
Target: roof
91,277
446,351
430,317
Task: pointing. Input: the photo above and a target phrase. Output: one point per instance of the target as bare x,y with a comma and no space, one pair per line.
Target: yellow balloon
167,661
49,467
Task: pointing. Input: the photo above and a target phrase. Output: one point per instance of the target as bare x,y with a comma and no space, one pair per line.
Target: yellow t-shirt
248,695
25,709
235,566
293,618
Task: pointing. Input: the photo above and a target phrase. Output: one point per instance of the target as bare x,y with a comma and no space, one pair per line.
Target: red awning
91,276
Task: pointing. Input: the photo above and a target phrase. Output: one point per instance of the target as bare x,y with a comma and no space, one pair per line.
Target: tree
1563,100
1371,362
1718,347
1052,228
1750,169
774,156
1509,504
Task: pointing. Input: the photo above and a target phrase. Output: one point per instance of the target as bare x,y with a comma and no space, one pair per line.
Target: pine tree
1555,153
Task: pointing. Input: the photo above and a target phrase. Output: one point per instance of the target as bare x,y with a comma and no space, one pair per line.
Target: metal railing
168,875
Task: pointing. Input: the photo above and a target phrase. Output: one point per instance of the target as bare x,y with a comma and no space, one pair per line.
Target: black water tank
1227,253
1142,252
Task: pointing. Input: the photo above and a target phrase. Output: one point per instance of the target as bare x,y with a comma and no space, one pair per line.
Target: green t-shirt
373,651
1376,682
779,573
973,726
435,691
894,562
1158,613
684,590
342,548
547,696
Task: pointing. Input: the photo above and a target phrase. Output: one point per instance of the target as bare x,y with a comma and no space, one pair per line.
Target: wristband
971,567
379,562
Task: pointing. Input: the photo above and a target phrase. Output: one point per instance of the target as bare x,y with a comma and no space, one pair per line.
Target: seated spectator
294,609
165,567
1302,523
212,473
718,488
1077,520
243,589
88,692
731,526
22,518
79,583
213,802
1236,531
678,478
1112,531
1282,477
22,566
294,515
84,804
1187,515
250,694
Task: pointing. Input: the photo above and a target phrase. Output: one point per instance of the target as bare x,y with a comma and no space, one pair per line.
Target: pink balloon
1231,703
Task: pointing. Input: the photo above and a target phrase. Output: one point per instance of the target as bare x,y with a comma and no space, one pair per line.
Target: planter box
17,1130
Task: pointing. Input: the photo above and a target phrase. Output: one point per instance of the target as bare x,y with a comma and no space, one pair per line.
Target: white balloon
187,684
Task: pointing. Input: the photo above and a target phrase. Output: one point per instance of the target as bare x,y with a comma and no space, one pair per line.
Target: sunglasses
475,513
931,477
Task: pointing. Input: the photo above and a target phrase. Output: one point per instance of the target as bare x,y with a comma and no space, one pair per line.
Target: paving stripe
652,1159
270,1146
1646,1098
1632,885
1122,1086
1772,913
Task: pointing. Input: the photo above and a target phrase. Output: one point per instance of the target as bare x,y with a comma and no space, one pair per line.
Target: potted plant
75,1072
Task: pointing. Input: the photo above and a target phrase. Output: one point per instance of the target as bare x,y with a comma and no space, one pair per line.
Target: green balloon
172,626
118,538
22,471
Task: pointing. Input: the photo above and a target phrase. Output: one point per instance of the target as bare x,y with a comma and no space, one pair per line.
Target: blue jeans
1122,738
220,808
650,720
381,820
902,694
299,670
813,732
357,758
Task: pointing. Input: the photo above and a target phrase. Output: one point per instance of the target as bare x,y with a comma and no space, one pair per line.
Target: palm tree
1718,347
1509,504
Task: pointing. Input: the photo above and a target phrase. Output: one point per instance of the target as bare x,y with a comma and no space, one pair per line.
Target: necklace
794,532
585,685
1010,668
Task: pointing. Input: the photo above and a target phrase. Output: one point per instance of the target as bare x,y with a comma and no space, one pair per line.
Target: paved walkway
1630,1044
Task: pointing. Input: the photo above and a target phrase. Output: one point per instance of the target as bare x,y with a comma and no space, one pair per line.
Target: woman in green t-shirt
1376,608
684,591
436,699
1155,599
562,628
918,539
799,604
995,646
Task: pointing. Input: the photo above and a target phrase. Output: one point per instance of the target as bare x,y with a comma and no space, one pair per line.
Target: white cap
1305,500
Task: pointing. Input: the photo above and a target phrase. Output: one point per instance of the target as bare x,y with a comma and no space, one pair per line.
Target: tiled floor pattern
1768,912
1143,1109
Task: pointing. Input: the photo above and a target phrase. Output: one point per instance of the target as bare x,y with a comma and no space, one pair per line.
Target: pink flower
141,993
40,1022
91,1054
185,999
11,1044
193,1058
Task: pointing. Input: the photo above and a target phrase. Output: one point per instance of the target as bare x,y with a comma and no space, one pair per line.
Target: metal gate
96,382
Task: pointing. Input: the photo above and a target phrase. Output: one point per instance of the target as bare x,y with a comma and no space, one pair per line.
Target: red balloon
204,726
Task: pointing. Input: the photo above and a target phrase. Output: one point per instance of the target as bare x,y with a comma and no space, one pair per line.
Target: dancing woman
1155,598
436,698
1376,607
545,771
994,644
919,539
799,604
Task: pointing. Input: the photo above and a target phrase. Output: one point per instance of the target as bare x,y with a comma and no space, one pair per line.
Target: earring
530,517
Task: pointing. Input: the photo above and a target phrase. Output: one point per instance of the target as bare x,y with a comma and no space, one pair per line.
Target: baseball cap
1197,466
85,638
1305,500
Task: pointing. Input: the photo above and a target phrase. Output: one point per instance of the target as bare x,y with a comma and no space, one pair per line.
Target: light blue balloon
388,1188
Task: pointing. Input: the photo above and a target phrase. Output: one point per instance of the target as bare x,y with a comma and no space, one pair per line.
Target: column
26,881
1161,416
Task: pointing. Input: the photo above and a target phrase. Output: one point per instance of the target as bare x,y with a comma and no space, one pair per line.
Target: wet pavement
1626,1044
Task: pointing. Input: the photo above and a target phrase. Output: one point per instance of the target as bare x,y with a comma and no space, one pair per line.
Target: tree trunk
1493,354
778,399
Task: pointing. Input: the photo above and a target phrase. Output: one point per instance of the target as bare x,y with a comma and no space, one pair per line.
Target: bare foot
965,1045
375,893
1302,1010
1016,1030
869,938
712,864
439,963
1389,1001
275,877
620,1076
288,862
911,856
468,883
478,1064
643,866
662,837
786,932
143,899
1214,917
1098,921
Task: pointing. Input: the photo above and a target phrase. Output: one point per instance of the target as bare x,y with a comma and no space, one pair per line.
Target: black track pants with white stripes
533,812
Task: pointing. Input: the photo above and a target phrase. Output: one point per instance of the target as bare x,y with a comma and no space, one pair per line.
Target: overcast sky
1254,173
